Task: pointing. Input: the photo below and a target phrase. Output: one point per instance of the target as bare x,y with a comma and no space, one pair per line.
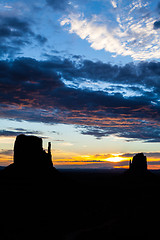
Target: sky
84,75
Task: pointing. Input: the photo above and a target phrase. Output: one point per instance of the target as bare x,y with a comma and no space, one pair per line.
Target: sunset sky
84,75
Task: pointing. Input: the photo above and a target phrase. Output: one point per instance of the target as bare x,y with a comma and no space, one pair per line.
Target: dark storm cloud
144,74
35,75
16,33
157,25
130,73
34,91
13,27
24,81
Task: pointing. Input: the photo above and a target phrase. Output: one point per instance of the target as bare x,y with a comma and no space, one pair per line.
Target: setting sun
115,158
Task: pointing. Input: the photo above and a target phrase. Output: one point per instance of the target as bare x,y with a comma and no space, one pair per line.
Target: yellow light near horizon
114,159
7,140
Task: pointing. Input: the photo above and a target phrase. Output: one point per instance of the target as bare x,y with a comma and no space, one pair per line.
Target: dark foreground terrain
82,204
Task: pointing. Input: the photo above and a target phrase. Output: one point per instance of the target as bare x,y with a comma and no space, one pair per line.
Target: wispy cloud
99,36
114,3
15,132
134,31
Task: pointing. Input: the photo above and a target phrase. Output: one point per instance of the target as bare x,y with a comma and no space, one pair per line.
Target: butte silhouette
138,166
30,158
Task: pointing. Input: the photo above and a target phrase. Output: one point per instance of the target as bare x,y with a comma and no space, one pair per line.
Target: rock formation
30,156
138,165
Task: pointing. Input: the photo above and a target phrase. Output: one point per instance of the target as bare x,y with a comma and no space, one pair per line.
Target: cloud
154,155
13,27
130,32
62,5
91,165
41,39
34,90
157,25
16,132
6,152
24,78
65,144
130,132
16,33
114,3
82,73
99,36
158,8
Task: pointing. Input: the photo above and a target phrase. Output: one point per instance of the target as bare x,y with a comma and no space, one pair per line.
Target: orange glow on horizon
5,160
64,158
